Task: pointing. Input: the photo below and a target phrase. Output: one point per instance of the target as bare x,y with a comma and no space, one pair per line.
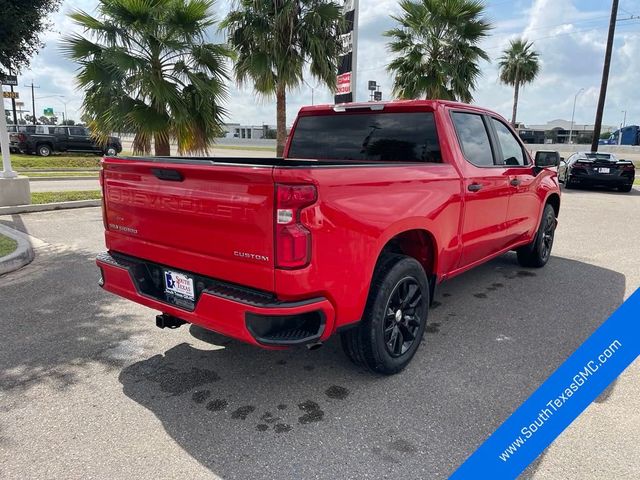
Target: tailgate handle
168,175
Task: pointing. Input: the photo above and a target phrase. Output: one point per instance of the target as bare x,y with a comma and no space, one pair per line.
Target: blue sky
570,36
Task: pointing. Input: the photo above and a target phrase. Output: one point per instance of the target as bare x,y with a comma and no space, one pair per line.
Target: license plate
179,284
604,170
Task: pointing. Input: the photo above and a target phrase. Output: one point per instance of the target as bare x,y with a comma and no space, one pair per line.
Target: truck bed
255,161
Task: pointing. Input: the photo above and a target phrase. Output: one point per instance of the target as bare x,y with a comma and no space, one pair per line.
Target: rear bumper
248,315
601,179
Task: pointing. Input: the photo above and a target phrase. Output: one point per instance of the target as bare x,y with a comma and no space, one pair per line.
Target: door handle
474,187
515,182
167,174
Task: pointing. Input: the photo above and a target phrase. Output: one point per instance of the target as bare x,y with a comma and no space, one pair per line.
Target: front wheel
395,318
111,152
538,252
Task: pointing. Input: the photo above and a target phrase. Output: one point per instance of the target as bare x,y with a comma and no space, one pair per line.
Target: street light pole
624,122
64,102
313,90
575,99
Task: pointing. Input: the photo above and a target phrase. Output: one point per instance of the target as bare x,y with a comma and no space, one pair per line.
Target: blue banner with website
560,399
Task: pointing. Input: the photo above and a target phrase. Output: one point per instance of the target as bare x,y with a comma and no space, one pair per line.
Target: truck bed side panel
359,210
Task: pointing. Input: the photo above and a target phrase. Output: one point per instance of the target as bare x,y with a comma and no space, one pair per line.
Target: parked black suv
36,140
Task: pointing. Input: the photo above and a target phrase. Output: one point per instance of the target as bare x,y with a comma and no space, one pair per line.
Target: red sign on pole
344,84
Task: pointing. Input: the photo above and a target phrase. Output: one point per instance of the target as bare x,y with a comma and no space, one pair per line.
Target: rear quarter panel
359,210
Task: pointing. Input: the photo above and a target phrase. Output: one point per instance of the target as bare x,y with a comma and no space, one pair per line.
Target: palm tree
147,68
437,50
276,39
519,64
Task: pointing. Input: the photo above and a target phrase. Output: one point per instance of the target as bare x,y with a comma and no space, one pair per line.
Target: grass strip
7,245
21,162
38,198
61,174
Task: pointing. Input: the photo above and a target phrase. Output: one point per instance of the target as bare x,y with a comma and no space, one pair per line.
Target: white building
248,132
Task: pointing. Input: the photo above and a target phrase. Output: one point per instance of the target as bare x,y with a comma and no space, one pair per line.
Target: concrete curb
23,255
27,171
49,179
46,207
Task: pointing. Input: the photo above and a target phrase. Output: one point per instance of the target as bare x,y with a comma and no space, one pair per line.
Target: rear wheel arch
419,244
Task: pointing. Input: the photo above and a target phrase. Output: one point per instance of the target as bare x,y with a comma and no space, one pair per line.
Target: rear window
600,156
474,138
384,137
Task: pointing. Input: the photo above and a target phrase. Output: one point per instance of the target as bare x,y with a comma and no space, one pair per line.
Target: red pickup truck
371,207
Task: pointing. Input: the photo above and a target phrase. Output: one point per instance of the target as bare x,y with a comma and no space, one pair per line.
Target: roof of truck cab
392,105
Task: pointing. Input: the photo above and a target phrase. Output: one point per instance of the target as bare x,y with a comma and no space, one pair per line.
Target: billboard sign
9,80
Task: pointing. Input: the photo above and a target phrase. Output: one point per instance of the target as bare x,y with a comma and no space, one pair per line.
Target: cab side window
473,138
79,131
512,153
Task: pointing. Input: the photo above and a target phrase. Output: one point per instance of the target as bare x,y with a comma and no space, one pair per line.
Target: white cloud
569,37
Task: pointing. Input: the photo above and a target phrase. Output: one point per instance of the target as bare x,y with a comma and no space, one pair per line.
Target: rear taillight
22,137
630,168
292,238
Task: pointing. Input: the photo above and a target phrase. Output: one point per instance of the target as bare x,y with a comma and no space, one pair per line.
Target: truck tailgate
208,218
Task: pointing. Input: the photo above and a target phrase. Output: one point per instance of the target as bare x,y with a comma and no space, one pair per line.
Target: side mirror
547,159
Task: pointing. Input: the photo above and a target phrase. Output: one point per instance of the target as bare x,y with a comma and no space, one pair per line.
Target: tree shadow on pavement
494,335
52,330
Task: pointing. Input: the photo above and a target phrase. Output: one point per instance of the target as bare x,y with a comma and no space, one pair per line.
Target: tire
567,181
43,150
381,341
538,252
626,188
111,151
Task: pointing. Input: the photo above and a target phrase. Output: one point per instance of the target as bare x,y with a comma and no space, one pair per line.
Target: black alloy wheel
400,323
538,252
395,318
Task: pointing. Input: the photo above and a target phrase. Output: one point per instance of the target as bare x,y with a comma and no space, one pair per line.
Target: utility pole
33,100
605,77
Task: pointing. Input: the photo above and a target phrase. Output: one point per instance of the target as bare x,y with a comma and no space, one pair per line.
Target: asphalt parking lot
89,388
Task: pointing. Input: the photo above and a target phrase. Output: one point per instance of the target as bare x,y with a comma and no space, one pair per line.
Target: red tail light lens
293,239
